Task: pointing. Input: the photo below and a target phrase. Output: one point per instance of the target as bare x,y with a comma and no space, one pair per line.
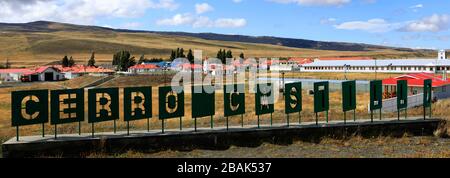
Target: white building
382,66
441,55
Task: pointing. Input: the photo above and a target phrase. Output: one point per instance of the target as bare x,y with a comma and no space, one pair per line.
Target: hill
41,42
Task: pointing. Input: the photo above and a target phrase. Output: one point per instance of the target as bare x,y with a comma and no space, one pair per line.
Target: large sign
427,93
29,107
348,95
234,100
264,99
293,97
203,102
376,95
67,106
321,97
103,105
171,102
402,94
137,103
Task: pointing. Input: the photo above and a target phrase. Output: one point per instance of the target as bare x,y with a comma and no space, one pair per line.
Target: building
442,55
81,70
144,68
44,73
440,85
10,75
382,66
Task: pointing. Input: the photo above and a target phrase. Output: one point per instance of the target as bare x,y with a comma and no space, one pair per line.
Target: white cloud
178,19
328,21
314,2
434,23
237,1
202,22
203,7
416,7
372,25
77,11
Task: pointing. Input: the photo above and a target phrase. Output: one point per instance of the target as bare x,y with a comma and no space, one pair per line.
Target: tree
173,55
242,56
65,61
181,55
190,56
220,56
123,60
71,62
229,54
91,62
142,59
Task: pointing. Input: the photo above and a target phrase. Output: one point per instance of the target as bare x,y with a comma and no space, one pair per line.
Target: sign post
376,97
103,106
203,103
321,99
427,96
171,103
293,99
67,107
29,108
402,97
137,102
234,101
264,100
349,99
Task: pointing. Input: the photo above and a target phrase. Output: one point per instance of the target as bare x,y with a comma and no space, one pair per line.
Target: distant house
144,68
9,75
81,70
44,73
440,84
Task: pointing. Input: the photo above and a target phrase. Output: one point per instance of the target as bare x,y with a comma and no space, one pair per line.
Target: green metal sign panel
234,100
264,99
203,103
427,95
137,103
348,95
67,106
293,97
376,95
402,94
29,107
103,105
171,103
321,97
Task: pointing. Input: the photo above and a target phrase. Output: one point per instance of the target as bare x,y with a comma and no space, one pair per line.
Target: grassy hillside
42,44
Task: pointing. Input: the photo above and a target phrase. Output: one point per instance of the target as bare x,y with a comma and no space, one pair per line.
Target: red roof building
416,80
415,84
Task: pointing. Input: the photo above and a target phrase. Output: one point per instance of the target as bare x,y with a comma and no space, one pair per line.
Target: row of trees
222,54
70,62
179,53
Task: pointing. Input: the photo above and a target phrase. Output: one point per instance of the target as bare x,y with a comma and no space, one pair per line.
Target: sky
398,23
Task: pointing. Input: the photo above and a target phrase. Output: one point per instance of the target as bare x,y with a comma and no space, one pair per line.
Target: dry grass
29,49
354,147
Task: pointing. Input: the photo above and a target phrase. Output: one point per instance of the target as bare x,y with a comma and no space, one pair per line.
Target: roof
27,71
417,80
21,71
145,66
345,58
83,69
380,62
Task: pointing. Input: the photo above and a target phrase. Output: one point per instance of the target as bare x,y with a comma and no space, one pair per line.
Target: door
49,76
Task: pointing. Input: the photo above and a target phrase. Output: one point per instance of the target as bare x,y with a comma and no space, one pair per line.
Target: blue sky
401,23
